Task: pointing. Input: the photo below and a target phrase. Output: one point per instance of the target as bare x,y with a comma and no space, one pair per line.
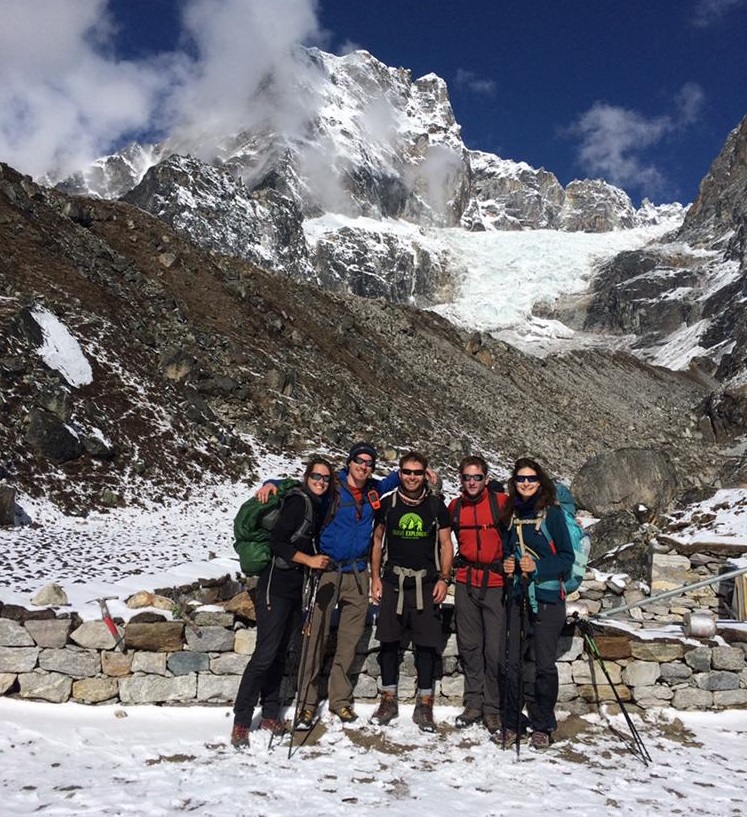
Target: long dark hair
311,464
544,497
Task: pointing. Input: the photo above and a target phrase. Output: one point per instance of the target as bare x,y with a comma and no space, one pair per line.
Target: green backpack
255,520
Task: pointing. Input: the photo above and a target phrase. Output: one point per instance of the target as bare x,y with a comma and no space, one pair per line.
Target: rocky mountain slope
690,290
196,357
364,140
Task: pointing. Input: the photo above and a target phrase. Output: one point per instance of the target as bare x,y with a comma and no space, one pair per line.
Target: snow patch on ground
68,759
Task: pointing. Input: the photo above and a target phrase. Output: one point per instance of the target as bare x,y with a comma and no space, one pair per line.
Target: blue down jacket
346,538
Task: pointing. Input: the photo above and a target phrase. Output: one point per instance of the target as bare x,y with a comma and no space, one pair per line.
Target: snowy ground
71,759
68,759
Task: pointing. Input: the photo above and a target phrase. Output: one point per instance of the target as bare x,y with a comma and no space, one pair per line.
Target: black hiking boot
423,714
467,718
239,736
387,710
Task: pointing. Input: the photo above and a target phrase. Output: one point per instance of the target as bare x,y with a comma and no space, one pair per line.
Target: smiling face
319,479
412,476
360,468
473,480
527,482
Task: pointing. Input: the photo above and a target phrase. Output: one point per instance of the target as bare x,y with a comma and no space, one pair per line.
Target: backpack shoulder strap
455,515
494,507
308,512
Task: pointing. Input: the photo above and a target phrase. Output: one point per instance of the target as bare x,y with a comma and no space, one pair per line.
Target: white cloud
707,13
470,81
348,47
65,97
614,140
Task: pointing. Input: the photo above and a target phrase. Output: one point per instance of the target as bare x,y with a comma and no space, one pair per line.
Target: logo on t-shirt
410,527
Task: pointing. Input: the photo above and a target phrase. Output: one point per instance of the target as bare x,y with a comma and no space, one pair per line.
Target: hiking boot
540,741
492,722
239,736
346,714
273,725
305,720
423,714
387,710
505,738
467,718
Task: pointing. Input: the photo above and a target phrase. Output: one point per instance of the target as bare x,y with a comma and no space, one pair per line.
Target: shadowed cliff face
198,360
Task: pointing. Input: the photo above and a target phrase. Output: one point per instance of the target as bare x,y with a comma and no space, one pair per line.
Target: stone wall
57,658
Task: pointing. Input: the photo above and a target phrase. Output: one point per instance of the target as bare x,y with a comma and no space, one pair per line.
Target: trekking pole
507,657
306,623
587,632
520,664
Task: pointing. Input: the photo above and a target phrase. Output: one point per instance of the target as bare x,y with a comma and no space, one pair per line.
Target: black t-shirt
410,532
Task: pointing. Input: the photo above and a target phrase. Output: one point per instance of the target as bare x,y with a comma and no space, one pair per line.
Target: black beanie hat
362,448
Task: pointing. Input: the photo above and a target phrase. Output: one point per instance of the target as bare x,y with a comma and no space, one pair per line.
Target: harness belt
403,573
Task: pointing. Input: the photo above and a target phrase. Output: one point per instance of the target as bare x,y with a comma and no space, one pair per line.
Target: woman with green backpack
278,599
539,558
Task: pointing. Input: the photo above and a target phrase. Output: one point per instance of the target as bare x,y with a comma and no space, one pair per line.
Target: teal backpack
579,540
255,520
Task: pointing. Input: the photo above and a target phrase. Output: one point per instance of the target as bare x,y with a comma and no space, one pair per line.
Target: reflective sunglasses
315,476
523,478
412,472
364,463
472,477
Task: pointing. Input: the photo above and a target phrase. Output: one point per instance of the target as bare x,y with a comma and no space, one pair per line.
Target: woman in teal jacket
539,556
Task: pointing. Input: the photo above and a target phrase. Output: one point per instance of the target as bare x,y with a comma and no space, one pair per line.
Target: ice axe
106,617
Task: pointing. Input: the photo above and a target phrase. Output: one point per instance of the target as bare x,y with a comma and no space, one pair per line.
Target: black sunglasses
412,472
317,477
472,477
523,478
364,463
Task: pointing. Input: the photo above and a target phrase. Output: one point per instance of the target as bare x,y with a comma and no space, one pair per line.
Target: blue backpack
579,541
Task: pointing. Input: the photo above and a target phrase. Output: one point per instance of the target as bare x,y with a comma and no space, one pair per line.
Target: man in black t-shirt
412,530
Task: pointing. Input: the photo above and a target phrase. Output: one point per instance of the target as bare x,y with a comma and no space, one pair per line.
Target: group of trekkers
389,541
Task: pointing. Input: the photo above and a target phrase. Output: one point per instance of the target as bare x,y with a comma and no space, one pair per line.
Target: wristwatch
447,580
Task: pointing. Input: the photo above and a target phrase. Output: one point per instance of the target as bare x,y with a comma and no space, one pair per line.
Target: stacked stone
162,662
201,661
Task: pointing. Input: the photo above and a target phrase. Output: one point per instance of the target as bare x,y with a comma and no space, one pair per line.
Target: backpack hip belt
403,573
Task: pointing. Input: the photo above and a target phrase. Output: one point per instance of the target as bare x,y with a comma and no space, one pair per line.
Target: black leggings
425,664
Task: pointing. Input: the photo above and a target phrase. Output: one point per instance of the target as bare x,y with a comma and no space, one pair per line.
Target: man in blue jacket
346,539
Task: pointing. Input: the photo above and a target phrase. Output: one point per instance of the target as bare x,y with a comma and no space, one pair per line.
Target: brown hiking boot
540,741
239,736
423,714
346,714
505,738
305,720
387,710
273,725
467,718
492,722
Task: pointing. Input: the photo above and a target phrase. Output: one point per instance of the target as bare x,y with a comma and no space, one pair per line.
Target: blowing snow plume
69,94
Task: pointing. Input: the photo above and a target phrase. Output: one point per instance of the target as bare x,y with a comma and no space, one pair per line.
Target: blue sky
642,94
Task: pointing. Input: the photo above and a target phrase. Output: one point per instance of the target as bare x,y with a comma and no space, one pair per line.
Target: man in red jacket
478,599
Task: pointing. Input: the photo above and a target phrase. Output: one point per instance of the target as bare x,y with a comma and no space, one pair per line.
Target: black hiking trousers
535,672
263,675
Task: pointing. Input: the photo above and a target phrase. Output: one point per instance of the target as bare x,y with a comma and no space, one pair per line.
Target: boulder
51,437
7,505
622,479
